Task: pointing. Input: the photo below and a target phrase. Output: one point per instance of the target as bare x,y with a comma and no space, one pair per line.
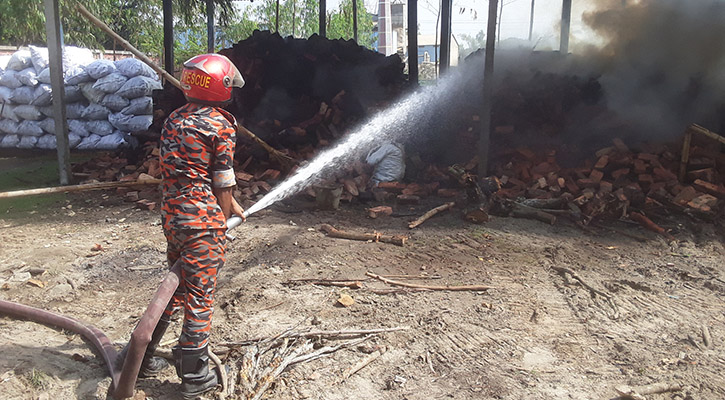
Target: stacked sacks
105,100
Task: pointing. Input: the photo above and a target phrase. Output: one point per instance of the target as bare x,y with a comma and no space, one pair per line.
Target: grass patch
37,379
28,172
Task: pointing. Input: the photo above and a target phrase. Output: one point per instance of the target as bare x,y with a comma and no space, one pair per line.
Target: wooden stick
431,213
398,290
128,46
648,224
412,276
712,135
326,282
284,160
374,237
685,157
78,188
222,371
706,338
475,288
311,334
362,364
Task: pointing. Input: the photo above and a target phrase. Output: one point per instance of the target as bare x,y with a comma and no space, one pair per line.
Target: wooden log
430,214
648,224
475,288
375,237
79,188
521,211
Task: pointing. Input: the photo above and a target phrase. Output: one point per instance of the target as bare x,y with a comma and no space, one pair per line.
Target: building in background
429,49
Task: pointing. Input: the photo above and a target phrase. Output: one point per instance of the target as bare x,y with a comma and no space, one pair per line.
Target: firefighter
197,154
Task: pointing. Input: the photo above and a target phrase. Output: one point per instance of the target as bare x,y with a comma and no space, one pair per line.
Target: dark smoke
663,64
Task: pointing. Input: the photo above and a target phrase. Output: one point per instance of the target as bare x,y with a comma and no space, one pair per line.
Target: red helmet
209,78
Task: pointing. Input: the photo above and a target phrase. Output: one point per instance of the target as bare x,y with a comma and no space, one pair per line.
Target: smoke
662,64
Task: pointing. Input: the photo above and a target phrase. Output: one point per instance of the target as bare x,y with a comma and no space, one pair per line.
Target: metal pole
210,26
500,18
168,37
484,140
531,21
565,26
55,57
413,41
354,20
276,18
446,10
323,18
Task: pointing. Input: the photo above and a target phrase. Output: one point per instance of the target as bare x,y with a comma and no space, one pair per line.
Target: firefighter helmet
209,79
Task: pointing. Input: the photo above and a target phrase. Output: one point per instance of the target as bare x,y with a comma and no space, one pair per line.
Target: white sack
138,86
10,141
20,60
42,96
100,68
110,83
28,77
114,102
28,112
132,67
22,95
9,79
139,106
39,58
30,128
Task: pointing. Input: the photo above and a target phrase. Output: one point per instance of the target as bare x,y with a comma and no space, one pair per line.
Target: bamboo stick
286,161
78,188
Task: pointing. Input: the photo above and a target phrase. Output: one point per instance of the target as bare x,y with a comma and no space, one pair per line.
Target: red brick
602,162
707,187
596,175
620,172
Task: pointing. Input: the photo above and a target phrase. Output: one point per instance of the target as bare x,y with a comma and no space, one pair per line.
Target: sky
470,17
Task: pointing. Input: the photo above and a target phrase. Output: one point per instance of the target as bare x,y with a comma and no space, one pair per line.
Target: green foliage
298,18
340,24
22,22
469,43
234,32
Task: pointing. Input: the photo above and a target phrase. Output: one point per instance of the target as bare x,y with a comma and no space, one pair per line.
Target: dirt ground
631,315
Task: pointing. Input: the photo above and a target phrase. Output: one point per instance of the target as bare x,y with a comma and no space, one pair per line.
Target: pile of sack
105,100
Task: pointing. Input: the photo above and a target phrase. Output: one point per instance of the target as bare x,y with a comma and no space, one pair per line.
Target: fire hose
123,372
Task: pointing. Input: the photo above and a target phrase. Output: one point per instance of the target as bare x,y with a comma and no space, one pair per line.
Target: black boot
152,365
192,366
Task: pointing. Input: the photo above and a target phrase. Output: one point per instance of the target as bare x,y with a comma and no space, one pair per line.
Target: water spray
393,124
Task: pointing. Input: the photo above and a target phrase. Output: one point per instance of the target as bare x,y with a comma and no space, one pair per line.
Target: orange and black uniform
197,154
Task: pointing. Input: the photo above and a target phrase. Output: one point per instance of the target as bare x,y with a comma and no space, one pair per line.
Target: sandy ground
630,315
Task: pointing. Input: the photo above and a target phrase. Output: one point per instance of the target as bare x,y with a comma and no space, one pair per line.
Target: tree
340,24
297,18
469,43
22,22
234,32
